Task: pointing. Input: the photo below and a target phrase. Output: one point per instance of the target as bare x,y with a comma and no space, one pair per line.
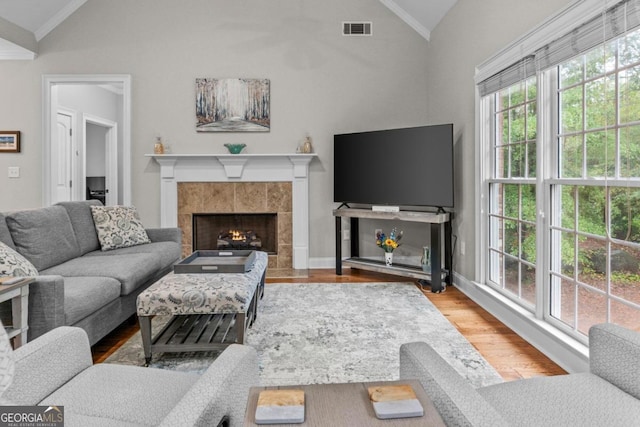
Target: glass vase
425,261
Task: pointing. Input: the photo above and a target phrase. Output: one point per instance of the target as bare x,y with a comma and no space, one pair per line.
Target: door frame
111,156
49,112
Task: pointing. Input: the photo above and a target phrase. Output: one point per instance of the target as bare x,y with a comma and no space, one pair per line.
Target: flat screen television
396,167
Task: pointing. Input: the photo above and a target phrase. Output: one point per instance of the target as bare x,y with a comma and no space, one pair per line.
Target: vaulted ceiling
23,23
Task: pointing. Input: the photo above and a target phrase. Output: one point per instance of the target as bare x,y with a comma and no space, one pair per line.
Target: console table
440,226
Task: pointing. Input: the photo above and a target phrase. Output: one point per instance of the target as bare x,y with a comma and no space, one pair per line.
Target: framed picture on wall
232,105
9,141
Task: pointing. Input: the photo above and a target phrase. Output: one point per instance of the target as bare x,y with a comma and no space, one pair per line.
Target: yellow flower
389,242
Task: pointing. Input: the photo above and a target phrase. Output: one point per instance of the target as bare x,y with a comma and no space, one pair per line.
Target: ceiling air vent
356,28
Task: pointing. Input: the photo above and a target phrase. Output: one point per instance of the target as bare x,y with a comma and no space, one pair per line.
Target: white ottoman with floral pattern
210,310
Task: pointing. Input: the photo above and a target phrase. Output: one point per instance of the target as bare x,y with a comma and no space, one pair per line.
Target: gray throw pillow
118,227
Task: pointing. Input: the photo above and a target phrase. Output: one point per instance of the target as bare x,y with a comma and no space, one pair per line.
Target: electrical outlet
463,248
346,234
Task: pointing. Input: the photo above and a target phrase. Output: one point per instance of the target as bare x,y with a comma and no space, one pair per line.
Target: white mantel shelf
294,168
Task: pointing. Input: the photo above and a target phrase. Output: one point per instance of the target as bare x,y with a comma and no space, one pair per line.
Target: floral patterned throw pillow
118,227
14,264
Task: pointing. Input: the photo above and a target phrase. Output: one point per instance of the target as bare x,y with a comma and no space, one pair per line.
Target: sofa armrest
46,305
457,401
614,352
43,365
221,391
167,234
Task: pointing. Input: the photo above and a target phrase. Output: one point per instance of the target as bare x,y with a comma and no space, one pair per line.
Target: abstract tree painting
232,105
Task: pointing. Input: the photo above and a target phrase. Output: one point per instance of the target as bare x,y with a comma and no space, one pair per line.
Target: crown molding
57,19
408,19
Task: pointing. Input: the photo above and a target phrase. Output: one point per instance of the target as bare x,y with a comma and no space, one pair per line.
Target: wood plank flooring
509,354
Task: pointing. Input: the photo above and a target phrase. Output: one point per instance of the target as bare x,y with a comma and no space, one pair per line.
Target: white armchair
56,370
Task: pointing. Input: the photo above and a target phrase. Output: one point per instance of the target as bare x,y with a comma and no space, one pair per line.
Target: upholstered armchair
607,395
56,370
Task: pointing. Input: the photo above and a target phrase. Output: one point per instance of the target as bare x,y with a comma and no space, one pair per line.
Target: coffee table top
347,405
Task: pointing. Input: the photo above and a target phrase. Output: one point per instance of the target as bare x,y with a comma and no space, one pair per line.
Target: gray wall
322,83
472,32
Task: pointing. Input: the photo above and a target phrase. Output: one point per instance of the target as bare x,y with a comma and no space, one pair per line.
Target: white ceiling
39,17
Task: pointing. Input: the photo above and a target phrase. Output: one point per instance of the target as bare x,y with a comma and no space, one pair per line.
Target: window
595,222
512,211
560,176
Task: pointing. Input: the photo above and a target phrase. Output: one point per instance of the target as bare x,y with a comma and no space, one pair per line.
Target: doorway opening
96,105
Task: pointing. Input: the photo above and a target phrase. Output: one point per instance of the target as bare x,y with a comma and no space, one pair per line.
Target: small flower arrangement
389,243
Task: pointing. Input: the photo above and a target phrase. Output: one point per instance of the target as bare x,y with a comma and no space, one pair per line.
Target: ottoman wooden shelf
209,310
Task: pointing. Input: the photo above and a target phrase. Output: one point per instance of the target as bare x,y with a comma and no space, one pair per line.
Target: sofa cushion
14,264
564,400
82,223
44,236
131,270
85,295
166,252
5,234
118,227
112,394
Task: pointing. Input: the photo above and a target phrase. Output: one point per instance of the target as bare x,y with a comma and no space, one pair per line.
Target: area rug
316,333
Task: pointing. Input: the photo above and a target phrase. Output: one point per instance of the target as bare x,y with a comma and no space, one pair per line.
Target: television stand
440,227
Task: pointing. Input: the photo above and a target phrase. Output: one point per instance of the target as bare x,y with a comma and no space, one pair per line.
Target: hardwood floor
509,354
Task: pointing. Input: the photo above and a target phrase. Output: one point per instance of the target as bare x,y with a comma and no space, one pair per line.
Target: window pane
571,72
568,254
518,159
625,273
528,242
592,309
511,240
629,87
565,290
511,201
495,231
601,154
517,124
591,210
630,152
528,202
629,49
592,262
503,128
625,214
529,284
571,107
512,275
497,203
600,60
495,267
502,161
624,315
600,102
567,211
516,94
572,157
532,158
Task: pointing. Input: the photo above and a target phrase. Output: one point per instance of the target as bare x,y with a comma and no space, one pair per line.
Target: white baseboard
570,354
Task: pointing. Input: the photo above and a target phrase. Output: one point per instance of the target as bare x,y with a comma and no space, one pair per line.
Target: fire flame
237,235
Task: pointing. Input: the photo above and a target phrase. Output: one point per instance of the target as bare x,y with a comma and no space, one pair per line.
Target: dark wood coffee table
347,405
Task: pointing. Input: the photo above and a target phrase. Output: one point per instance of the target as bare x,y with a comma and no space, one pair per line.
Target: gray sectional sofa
78,283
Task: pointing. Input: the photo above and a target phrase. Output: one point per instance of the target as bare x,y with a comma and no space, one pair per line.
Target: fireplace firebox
257,231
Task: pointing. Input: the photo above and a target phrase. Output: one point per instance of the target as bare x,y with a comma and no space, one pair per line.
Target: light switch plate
14,172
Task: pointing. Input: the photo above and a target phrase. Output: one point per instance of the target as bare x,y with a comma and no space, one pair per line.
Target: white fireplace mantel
175,168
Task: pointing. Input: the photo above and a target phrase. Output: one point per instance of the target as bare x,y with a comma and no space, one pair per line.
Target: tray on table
210,261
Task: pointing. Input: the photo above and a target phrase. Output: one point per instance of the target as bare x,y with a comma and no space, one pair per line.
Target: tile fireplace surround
257,183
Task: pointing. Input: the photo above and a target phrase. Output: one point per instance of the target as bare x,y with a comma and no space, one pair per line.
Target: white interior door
62,167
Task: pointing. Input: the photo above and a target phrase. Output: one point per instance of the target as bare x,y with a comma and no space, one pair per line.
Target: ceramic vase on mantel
388,258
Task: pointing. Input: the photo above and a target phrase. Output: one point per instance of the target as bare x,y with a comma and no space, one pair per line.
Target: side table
347,405
18,293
